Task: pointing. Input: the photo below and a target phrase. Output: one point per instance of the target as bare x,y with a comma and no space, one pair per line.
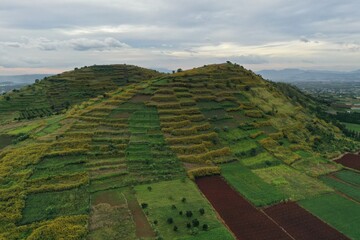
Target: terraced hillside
55,93
132,162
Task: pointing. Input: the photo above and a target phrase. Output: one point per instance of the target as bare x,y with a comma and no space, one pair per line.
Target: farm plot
261,160
244,220
179,204
350,160
250,185
300,224
349,190
6,140
339,212
110,217
48,205
291,183
349,177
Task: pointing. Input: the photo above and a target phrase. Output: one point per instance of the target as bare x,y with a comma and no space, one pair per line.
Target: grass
161,199
110,217
349,176
25,129
316,166
292,183
339,212
250,185
347,189
352,126
261,160
48,205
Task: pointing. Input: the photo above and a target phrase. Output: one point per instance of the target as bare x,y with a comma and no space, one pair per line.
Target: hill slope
55,93
119,165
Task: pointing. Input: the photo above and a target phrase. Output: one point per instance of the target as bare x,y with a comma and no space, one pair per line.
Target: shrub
189,214
202,211
149,188
144,205
195,222
188,225
181,213
203,171
170,220
173,207
183,199
205,227
175,228
155,222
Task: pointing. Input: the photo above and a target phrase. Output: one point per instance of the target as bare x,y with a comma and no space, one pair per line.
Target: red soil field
301,224
243,219
350,160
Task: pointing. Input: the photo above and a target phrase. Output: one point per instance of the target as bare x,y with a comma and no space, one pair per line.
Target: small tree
201,211
181,213
144,205
188,225
175,228
183,199
205,227
155,222
170,220
189,214
195,222
149,188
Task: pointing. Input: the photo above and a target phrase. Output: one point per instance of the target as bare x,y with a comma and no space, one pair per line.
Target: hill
128,160
56,93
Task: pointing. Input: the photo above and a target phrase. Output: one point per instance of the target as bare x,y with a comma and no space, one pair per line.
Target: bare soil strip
143,228
350,160
301,224
244,220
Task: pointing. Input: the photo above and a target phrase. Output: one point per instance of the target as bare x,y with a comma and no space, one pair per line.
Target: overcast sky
49,36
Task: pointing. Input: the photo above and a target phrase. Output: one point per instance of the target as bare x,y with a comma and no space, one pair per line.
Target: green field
349,190
349,176
164,203
337,211
48,205
251,186
261,160
291,183
352,126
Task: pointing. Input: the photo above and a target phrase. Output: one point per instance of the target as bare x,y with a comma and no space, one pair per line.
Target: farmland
132,154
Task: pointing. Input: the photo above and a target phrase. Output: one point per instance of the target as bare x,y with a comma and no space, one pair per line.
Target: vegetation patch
339,212
291,183
250,185
48,205
178,203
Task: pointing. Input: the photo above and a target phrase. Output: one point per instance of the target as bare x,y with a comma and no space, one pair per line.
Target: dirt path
143,228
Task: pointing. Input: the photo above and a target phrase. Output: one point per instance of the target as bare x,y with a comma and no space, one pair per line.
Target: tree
188,225
189,214
170,220
144,205
179,70
202,211
205,227
149,188
195,222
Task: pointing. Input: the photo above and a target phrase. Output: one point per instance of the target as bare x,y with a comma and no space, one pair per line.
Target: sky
51,36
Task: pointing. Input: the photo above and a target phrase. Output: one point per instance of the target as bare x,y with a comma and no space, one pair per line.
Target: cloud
185,33
251,59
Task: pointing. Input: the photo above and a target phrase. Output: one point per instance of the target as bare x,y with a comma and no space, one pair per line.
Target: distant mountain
23,78
298,75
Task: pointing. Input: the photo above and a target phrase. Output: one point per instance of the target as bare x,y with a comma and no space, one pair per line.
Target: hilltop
121,148
55,93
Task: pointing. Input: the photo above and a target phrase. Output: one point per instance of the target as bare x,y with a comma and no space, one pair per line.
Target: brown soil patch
143,228
301,224
6,140
140,98
243,219
350,160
